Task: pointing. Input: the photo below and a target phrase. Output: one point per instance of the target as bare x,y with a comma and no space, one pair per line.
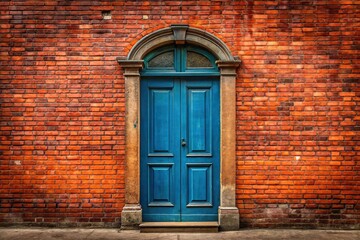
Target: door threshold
168,227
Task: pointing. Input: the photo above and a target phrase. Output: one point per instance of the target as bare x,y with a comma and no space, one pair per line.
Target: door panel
198,121
160,120
161,185
180,149
199,185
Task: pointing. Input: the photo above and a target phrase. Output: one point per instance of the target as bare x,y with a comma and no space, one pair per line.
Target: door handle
183,142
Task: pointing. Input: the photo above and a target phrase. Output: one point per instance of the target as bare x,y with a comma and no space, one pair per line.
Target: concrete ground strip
112,234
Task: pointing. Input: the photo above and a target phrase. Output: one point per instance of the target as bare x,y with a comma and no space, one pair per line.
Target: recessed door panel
198,121
160,127
161,185
200,185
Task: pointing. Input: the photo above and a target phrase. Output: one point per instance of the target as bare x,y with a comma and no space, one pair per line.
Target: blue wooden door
180,148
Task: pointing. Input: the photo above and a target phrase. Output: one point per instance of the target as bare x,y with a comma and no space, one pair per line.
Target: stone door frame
131,216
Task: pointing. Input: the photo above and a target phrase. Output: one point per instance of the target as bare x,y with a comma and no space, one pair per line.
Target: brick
63,106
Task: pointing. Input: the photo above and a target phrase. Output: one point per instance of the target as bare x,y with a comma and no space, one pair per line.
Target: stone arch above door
180,34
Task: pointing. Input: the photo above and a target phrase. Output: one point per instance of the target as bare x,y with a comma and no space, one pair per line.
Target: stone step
168,227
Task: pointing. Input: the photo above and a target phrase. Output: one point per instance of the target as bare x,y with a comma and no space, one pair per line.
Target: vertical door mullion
177,117
183,150
178,59
182,59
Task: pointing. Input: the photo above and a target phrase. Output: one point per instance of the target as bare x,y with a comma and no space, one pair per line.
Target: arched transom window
180,60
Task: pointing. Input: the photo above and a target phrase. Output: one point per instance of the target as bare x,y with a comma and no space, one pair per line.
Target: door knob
183,142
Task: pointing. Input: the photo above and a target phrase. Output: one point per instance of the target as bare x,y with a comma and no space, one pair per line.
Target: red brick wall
298,122
298,114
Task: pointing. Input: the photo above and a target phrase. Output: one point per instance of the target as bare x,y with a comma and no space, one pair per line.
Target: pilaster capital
131,67
228,68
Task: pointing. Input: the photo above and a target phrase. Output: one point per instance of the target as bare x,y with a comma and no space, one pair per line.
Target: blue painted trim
199,218
158,217
177,218
189,77
179,74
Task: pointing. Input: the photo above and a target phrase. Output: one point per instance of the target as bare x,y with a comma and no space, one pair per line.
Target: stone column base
131,216
229,218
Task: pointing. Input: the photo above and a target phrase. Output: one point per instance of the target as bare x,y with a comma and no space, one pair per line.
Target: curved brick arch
131,215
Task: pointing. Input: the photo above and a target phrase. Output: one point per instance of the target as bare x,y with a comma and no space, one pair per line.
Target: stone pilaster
131,215
228,212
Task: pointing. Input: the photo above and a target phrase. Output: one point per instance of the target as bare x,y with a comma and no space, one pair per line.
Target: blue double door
180,156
